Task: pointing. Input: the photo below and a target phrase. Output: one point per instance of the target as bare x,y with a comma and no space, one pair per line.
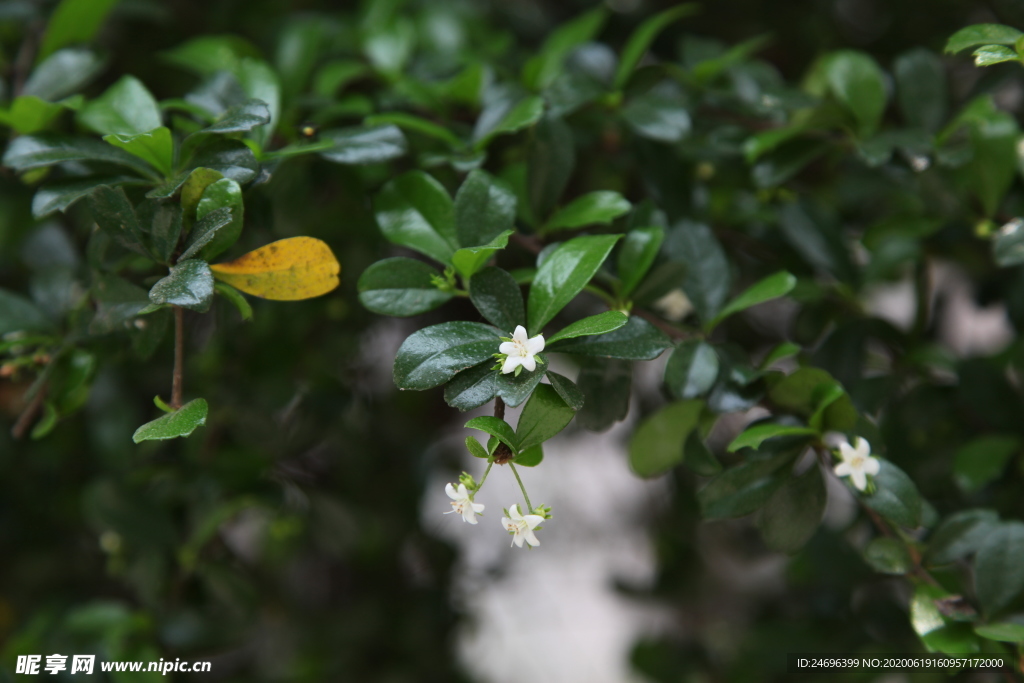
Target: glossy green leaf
987,55
658,114
544,415
18,314
605,385
524,113
260,82
231,158
771,287
115,216
416,124
218,195
415,211
640,40
401,287
530,457
657,444
568,391
162,223
514,390
888,556
497,428
983,460
1005,632
707,277
63,73
155,147
74,21
993,135
600,207
691,369
59,195
563,275
236,298
550,160
473,387
858,83
475,449
999,567
787,161
484,209
496,295
921,88
745,488
30,114
192,191
602,323
792,514
982,34
544,67
181,422
753,437
126,108
959,535
469,260
208,54
46,149
432,356
189,285
637,254
364,145
783,350
801,392
241,118
636,340
896,497
205,231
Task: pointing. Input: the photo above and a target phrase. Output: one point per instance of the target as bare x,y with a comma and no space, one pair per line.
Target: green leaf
484,210
657,444
401,287
983,460
58,196
218,195
771,287
473,387
115,216
658,114
416,124
636,340
496,295
542,69
602,323
753,437
707,278
154,147
563,275
637,254
783,350
572,396
235,297
600,207
981,34
126,108
205,231
959,535
550,159
415,211
530,457
992,167
192,191
785,162
231,158
241,118
432,356
497,428
692,369
524,113
475,449
605,385
921,88
181,422
888,556
743,489
189,285
1006,632
859,84
162,222
74,21
802,391
206,55
63,73
759,144
698,458
47,149
30,114
514,390
987,55
896,497
544,415
364,145
18,314
999,567
260,82
469,260
640,40
792,514
1008,244
117,302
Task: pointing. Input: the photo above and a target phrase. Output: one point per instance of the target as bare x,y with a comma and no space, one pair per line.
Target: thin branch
28,415
26,55
179,357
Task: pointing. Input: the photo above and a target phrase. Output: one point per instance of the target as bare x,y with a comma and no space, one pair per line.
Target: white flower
521,526
521,351
857,463
462,503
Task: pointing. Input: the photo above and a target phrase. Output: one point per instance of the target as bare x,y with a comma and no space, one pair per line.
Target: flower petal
520,334
469,515
477,507
531,538
450,490
846,451
535,345
511,363
872,466
514,513
533,520
862,447
860,480
518,540
508,348
843,469
529,362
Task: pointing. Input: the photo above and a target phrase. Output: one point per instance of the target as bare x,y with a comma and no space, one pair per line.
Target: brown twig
502,454
28,415
179,357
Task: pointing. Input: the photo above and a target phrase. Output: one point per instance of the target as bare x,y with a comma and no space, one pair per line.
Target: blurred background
300,536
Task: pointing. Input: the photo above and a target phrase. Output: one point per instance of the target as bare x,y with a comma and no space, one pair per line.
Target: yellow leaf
286,270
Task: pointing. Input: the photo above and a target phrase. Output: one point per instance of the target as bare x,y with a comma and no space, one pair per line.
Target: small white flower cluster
857,463
515,522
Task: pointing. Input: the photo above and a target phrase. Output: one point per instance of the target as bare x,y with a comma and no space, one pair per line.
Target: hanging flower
521,526
857,463
462,503
521,351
